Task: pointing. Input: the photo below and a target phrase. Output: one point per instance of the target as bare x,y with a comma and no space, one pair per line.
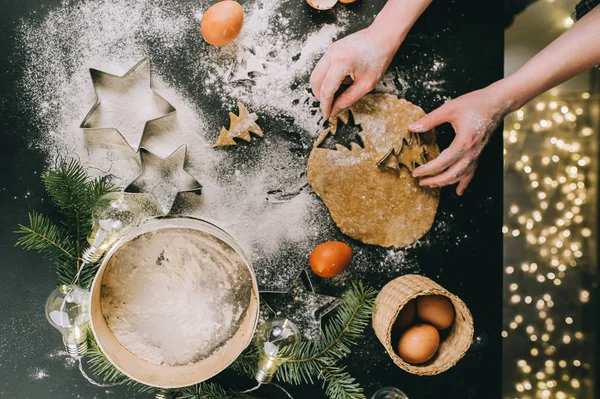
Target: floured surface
370,203
174,296
256,191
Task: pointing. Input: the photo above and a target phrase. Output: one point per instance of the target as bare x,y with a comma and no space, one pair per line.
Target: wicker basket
392,299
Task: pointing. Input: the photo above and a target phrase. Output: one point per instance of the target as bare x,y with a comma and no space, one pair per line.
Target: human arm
476,115
363,56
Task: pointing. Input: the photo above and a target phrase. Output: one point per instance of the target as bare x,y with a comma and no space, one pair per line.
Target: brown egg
419,343
436,310
346,1
406,316
222,22
330,258
322,4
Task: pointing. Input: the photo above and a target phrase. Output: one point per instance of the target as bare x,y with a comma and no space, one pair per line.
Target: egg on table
419,343
436,310
222,22
406,316
321,4
330,258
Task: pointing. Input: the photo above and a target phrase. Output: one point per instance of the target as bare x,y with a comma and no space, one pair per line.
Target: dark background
465,258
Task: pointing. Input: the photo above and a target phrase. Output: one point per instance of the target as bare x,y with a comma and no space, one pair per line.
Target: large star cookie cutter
126,103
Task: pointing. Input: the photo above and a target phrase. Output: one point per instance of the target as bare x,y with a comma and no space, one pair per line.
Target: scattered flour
257,192
38,373
174,297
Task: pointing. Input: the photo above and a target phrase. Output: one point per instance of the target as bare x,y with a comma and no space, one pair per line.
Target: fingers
349,97
464,183
431,120
331,83
450,176
318,74
441,163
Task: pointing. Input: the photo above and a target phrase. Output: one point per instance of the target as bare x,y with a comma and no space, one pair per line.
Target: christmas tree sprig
310,360
74,195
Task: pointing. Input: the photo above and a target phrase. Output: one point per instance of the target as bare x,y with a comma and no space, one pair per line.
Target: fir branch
102,367
206,390
46,238
74,194
339,384
247,362
305,360
51,241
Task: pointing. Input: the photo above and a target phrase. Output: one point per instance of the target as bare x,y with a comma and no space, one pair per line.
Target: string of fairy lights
550,169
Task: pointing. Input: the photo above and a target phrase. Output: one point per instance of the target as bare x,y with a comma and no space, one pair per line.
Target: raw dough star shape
409,152
126,103
240,127
164,178
301,305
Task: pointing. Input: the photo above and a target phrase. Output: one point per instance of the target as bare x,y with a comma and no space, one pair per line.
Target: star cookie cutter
164,175
117,96
294,304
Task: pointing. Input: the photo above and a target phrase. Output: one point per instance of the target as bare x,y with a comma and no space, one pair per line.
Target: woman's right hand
360,59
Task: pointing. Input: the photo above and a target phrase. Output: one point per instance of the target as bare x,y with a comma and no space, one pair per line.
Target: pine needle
102,367
74,195
305,360
51,241
339,384
206,390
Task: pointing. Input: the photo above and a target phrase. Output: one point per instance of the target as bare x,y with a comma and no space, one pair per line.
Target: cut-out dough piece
411,155
240,127
373,204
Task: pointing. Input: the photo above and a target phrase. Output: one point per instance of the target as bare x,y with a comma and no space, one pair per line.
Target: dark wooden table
465,255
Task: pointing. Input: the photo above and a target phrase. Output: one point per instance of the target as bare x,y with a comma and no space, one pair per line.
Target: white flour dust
175,296
38,373
267,68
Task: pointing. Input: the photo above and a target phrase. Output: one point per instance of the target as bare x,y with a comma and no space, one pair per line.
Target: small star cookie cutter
164,178
295,301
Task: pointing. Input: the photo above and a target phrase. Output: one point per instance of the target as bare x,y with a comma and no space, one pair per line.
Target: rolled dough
378,205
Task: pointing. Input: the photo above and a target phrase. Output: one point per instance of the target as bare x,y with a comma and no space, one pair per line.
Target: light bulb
389,393
270,339
114,215
68,310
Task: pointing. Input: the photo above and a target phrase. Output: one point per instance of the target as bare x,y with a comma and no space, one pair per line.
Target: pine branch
51,241
247,362
351,317
102,367
206,390
339,384
75,194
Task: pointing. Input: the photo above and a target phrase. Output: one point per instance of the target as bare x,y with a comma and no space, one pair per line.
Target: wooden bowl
390,301
167,376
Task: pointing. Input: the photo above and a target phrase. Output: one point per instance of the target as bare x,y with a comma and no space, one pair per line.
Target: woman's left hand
474,117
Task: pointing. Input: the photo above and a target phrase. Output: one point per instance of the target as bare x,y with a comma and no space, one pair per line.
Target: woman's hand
474,117
360,59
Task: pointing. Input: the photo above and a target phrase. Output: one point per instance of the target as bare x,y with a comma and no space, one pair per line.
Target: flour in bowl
174,296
